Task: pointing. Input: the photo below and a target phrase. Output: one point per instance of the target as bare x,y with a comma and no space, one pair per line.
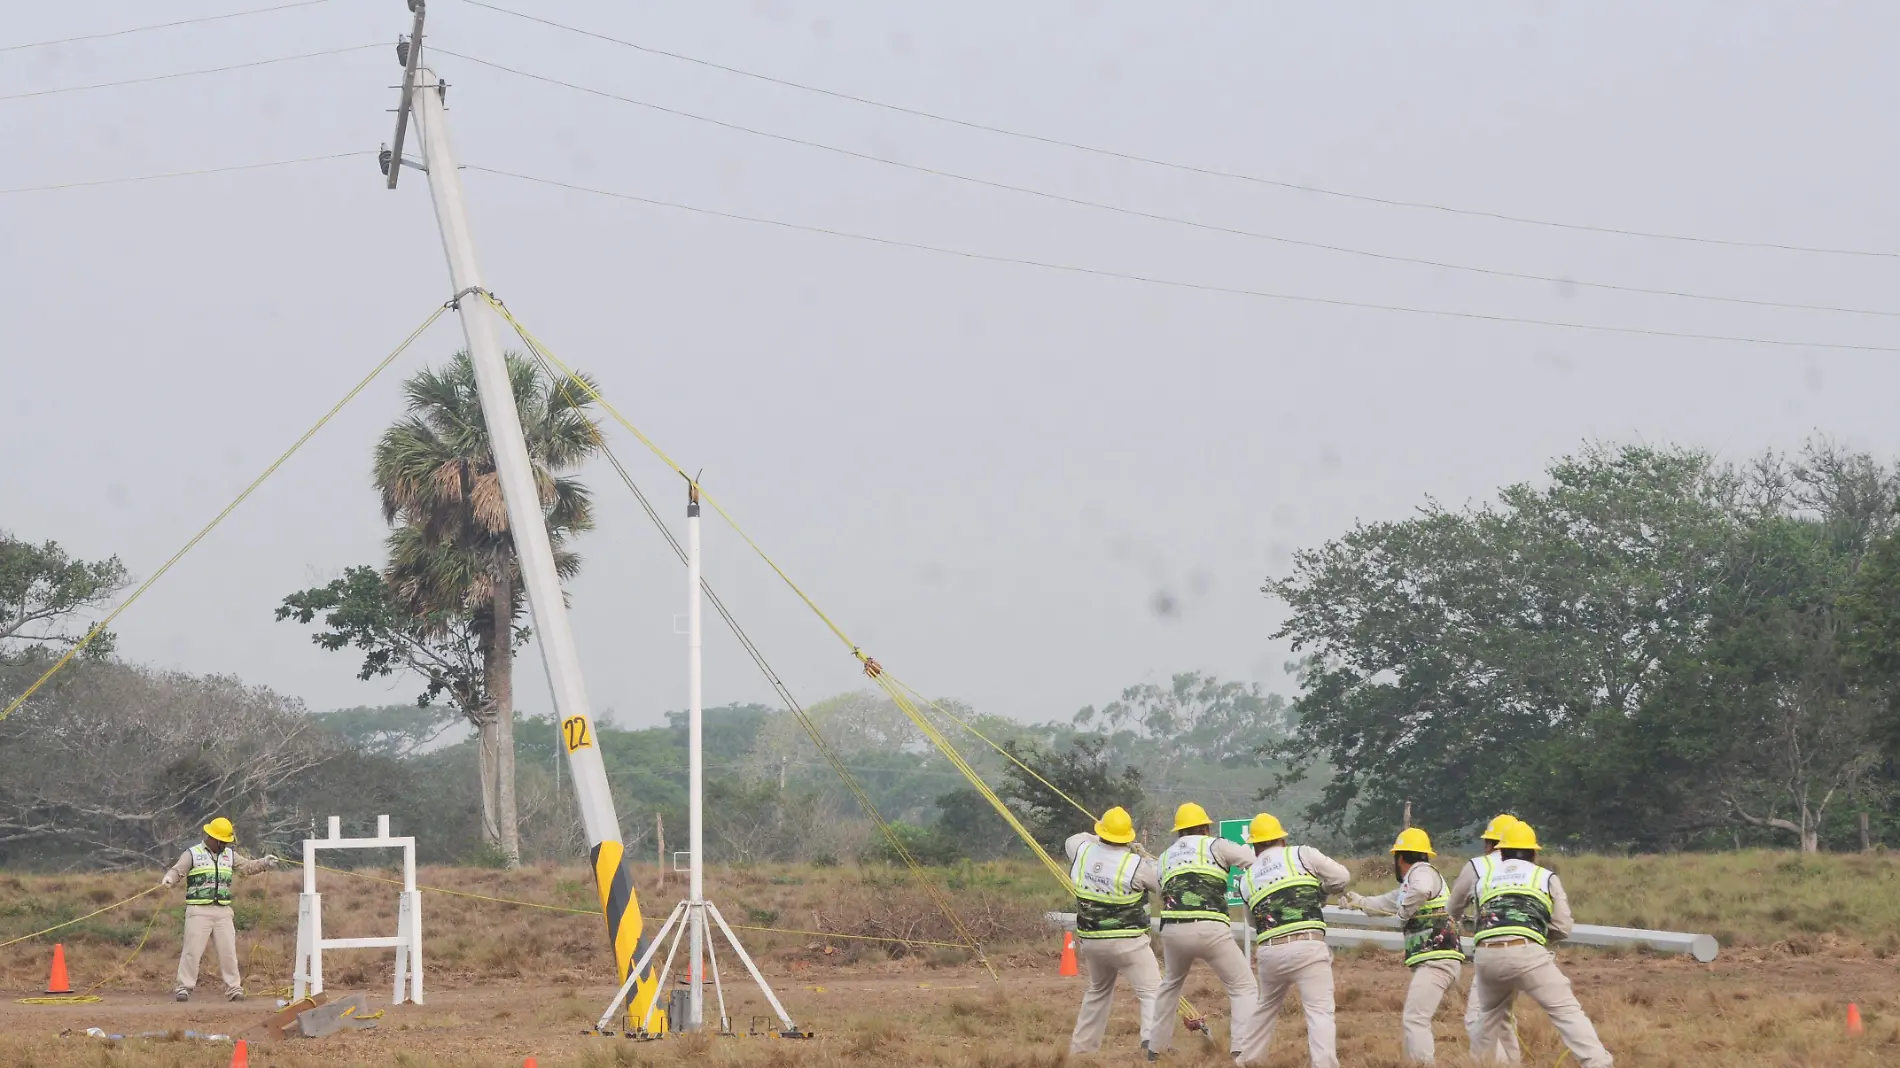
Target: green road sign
1234,831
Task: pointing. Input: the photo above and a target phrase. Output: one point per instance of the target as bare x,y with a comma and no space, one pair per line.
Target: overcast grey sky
988,473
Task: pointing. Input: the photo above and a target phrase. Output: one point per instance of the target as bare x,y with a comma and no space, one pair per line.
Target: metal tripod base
691,916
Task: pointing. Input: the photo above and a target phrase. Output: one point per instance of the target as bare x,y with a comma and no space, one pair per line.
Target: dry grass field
1802,938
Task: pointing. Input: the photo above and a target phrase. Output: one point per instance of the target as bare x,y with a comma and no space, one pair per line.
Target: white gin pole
696,773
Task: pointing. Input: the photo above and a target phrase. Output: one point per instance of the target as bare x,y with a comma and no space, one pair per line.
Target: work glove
1355,901
270,860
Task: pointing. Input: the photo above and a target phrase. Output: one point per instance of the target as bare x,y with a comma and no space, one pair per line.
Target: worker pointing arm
1420,884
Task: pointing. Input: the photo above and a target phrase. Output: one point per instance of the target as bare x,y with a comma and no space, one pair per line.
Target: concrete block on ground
284,1023
347,1014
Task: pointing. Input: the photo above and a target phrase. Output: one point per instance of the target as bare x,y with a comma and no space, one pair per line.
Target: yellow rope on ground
655,919
100,627
91,994
461,893
82,919
850,937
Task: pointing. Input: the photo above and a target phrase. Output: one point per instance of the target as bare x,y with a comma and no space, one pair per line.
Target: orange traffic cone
57,983
241,1056
1853,1019
529,1063
1068,966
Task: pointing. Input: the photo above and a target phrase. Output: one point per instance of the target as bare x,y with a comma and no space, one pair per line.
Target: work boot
235,995
181,994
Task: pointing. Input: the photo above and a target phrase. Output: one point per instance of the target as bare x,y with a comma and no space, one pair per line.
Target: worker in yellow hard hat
1195,926
1432,948
1112,884
1522,908
208,869
1507,1048
1285,889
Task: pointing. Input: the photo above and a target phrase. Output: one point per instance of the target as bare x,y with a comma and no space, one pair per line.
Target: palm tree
451,553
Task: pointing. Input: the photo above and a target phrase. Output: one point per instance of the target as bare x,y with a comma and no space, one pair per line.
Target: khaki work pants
1306,966
1104,960
1430,980
1506,1050
1212,941
211,922
1504,972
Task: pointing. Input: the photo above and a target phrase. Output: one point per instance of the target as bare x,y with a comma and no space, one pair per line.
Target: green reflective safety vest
1283,898
1430,934
209,880
1105,905
1513,901
1193,883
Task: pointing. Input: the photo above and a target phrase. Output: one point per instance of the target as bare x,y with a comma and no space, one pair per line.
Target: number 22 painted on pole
574,733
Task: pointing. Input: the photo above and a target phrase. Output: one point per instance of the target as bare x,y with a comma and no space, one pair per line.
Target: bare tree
115,764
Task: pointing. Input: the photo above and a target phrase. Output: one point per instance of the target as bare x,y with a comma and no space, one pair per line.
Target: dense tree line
1648,650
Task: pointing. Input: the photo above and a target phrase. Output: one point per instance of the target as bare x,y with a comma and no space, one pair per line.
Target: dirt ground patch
1752,1008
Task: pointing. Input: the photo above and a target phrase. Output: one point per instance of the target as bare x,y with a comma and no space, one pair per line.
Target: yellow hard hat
1494,831
1265,828
1518,835
221,829
1191,815
1115,826
1414,840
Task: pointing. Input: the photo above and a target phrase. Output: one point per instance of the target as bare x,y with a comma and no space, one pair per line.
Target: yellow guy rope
871,667
82,919
1011,757
91,995
798,712
99,628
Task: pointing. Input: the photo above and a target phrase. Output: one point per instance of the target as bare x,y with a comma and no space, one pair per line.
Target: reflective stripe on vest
1105,906
1193,884
1430,934
209,880
1283,898
1513,901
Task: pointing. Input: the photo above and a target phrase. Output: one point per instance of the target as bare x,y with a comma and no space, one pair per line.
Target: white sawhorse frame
408,939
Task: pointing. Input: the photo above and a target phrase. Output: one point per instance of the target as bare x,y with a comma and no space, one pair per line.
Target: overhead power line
1068,268
161,26
193,73
1159,217
1213,172
184,174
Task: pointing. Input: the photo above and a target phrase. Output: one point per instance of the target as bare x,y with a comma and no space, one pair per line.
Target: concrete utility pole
423,93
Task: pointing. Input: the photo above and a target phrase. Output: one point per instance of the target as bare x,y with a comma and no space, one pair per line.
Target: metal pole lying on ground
528,527
1350,927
